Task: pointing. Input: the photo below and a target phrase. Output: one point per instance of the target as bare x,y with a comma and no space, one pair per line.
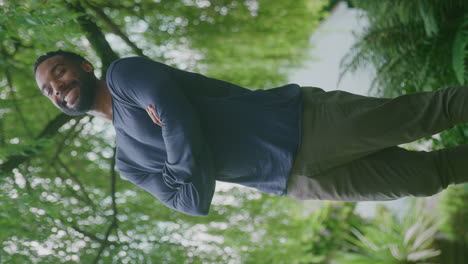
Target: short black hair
50,54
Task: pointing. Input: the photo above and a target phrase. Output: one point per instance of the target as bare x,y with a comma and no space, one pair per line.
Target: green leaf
30,21
423,254
459,52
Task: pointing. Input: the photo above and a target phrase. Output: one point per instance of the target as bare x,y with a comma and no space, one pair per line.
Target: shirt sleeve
185,198
187,182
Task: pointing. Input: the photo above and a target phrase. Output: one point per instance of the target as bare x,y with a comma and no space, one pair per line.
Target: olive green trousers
349,149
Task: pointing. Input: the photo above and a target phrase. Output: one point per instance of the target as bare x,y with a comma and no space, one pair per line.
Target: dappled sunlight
64,200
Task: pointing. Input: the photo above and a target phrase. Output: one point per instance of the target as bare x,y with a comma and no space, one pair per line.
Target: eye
47,91
61,73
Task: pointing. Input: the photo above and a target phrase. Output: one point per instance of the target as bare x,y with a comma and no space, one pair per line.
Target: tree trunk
107,56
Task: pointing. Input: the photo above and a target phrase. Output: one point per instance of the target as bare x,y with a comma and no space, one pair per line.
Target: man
178,132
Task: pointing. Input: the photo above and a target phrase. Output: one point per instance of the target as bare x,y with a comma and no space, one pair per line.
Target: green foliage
414,46
411,51
460,51
454,210
327,232
456,136
391,240
232,54
57,205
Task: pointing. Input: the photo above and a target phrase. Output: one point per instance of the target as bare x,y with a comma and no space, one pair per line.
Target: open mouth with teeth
71,96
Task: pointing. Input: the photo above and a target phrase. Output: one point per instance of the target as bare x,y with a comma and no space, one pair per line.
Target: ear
87,66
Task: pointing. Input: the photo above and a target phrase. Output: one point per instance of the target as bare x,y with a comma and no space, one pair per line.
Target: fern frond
459,51
427,14
408,43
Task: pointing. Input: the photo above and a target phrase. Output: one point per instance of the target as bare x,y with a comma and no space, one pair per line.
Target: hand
152,113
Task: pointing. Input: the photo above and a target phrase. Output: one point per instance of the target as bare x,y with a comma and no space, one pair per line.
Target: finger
153,111
155,119
151,115
148,112
154,116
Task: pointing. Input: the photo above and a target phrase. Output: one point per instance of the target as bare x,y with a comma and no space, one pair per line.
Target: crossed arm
187,181
153,115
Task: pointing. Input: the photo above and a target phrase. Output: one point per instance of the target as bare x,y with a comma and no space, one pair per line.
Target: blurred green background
62,201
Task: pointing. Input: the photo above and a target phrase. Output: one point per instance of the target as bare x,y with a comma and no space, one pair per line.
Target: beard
87,95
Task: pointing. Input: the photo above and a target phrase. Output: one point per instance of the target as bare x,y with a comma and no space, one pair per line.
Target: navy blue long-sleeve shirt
212,130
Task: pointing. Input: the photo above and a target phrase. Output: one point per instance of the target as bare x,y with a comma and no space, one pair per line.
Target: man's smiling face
69,83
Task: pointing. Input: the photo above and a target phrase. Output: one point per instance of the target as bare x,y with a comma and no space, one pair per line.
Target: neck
103,105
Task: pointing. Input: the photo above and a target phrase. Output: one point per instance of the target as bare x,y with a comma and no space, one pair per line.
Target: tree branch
92,236
107,55
87,200
104,243
49,131
94,35
116,29
131,8
68,135
113,183
77,180
9,80
113,189
2,133
114,224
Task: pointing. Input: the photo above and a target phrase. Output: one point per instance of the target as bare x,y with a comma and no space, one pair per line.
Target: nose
57,87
